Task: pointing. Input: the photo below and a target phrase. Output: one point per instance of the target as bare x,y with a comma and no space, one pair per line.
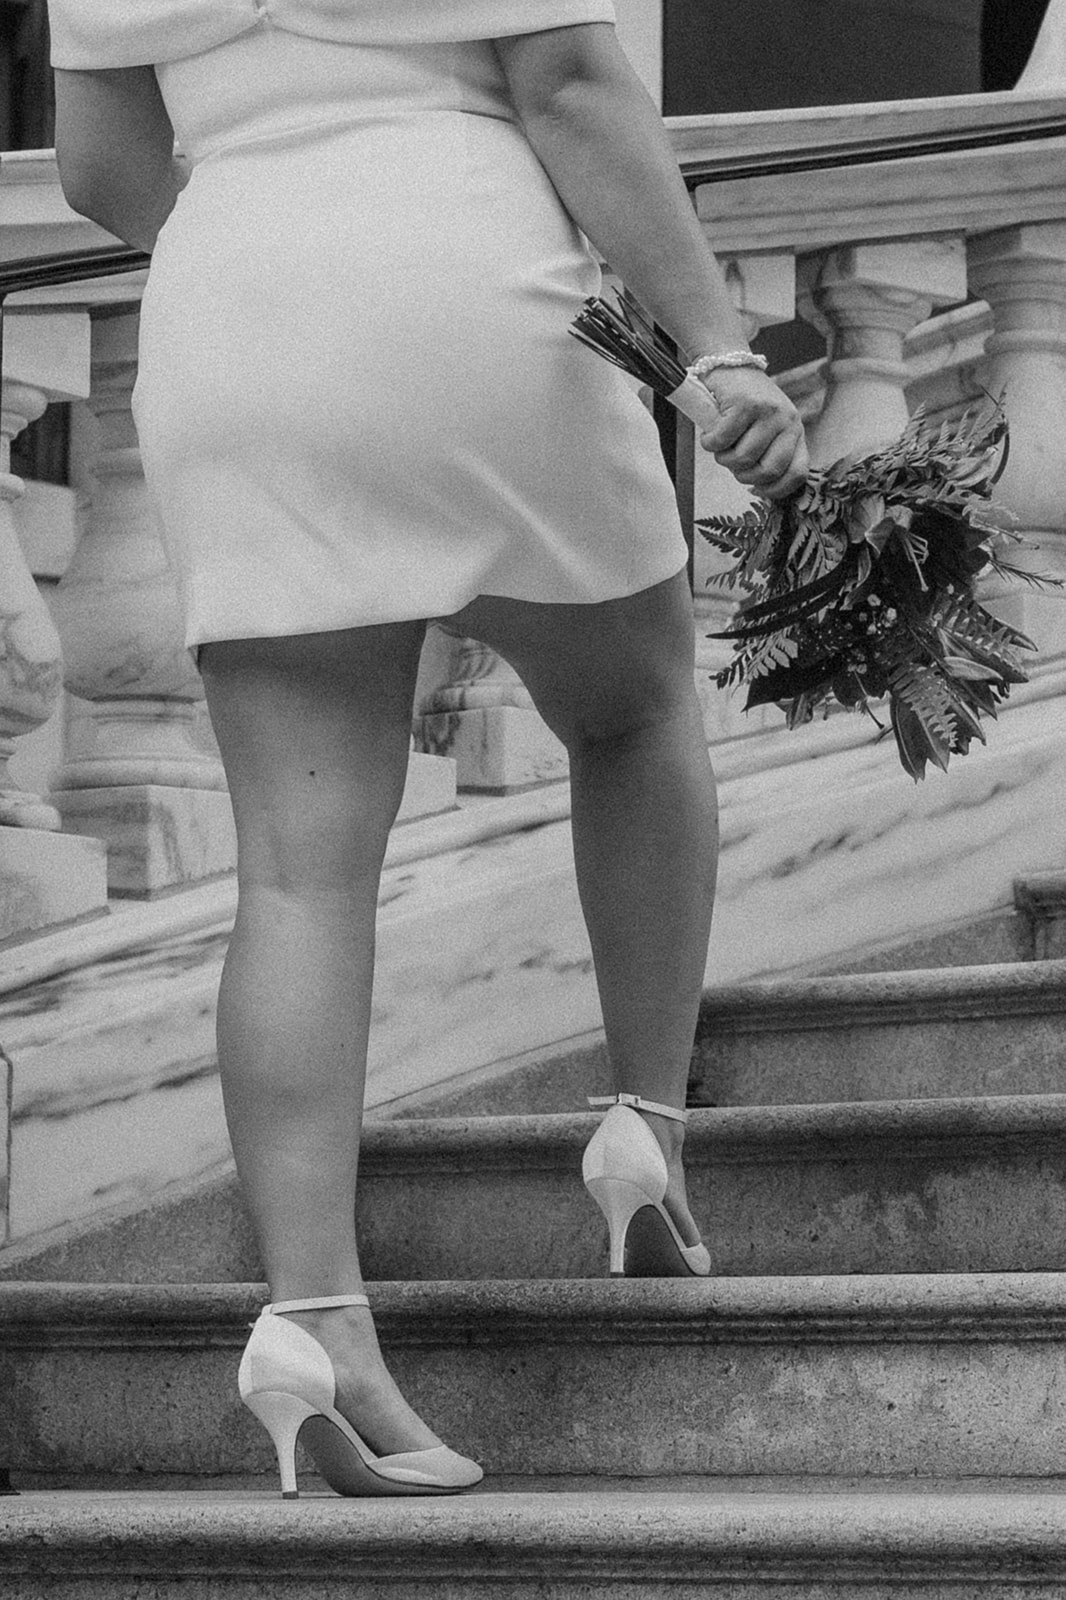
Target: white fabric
357,397
126,33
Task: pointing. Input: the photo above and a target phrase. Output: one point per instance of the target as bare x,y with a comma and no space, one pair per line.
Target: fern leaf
1042,581
923,690
776,651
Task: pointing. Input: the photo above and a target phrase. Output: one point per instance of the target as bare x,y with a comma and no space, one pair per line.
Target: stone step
947,1032
930,1377
558,1546
872,1187
990,1029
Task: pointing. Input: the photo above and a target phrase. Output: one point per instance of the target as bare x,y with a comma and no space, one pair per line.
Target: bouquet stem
625,337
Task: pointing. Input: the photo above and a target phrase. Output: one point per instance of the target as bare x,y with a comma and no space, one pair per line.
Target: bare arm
115,150
603,144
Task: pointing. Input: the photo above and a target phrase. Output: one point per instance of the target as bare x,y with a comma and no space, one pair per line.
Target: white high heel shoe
286,1379
625,1173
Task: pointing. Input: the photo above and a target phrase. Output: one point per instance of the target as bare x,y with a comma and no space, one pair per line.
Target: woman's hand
759,436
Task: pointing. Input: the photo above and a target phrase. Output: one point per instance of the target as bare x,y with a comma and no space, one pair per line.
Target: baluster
1021,273
137,772
866,298
45,875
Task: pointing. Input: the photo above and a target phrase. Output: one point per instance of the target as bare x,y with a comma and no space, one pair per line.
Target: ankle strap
638,1104
325,1304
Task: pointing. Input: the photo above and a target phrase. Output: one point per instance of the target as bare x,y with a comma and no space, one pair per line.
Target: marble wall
826,846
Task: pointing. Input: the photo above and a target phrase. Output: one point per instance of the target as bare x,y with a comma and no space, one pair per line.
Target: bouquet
860,586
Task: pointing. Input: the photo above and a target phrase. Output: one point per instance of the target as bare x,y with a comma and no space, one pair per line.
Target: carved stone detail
30,655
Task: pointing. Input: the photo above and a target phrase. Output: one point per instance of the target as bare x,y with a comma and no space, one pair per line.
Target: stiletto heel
282,1415
619,1200
286,1379
625,1173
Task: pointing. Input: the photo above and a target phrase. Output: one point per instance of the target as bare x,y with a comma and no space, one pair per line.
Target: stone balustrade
46,874
929,275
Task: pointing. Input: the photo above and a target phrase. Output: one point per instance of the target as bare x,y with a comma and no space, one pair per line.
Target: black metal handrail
722,169
68,266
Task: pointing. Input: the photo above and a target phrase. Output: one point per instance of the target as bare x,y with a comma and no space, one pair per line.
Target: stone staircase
867,1399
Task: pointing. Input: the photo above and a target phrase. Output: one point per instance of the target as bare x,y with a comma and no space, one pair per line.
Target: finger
763,452
736,421
793,478
775,460
733,423
748,447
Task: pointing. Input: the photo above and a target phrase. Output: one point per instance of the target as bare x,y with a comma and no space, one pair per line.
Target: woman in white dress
359,407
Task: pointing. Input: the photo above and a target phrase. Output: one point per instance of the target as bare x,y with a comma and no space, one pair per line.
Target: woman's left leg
314,733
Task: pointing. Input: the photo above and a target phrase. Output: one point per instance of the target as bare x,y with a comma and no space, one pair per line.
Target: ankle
335,1322
669,1134
672,1128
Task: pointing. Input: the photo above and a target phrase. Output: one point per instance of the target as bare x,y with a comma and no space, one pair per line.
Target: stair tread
967,1530
29,1486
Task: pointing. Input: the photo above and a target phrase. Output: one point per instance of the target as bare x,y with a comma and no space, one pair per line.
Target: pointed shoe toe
440,1468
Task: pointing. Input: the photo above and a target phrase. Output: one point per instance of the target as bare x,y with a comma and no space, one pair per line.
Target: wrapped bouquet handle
695,401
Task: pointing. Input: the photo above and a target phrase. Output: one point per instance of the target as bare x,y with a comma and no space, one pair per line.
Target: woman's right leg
614,680
314,733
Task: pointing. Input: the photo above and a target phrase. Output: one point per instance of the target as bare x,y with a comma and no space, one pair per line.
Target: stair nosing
806,1131
939,994
921,1307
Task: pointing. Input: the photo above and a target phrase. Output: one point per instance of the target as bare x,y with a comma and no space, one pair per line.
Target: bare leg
314,734
615,682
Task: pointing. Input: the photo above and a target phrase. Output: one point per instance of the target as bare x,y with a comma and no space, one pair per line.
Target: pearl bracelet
727,358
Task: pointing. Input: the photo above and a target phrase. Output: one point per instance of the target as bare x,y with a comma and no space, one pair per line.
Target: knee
304,849
654,707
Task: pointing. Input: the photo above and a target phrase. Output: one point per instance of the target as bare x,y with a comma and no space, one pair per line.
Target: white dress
357,398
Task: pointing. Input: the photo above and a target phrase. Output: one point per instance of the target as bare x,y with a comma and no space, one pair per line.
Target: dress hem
193,647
